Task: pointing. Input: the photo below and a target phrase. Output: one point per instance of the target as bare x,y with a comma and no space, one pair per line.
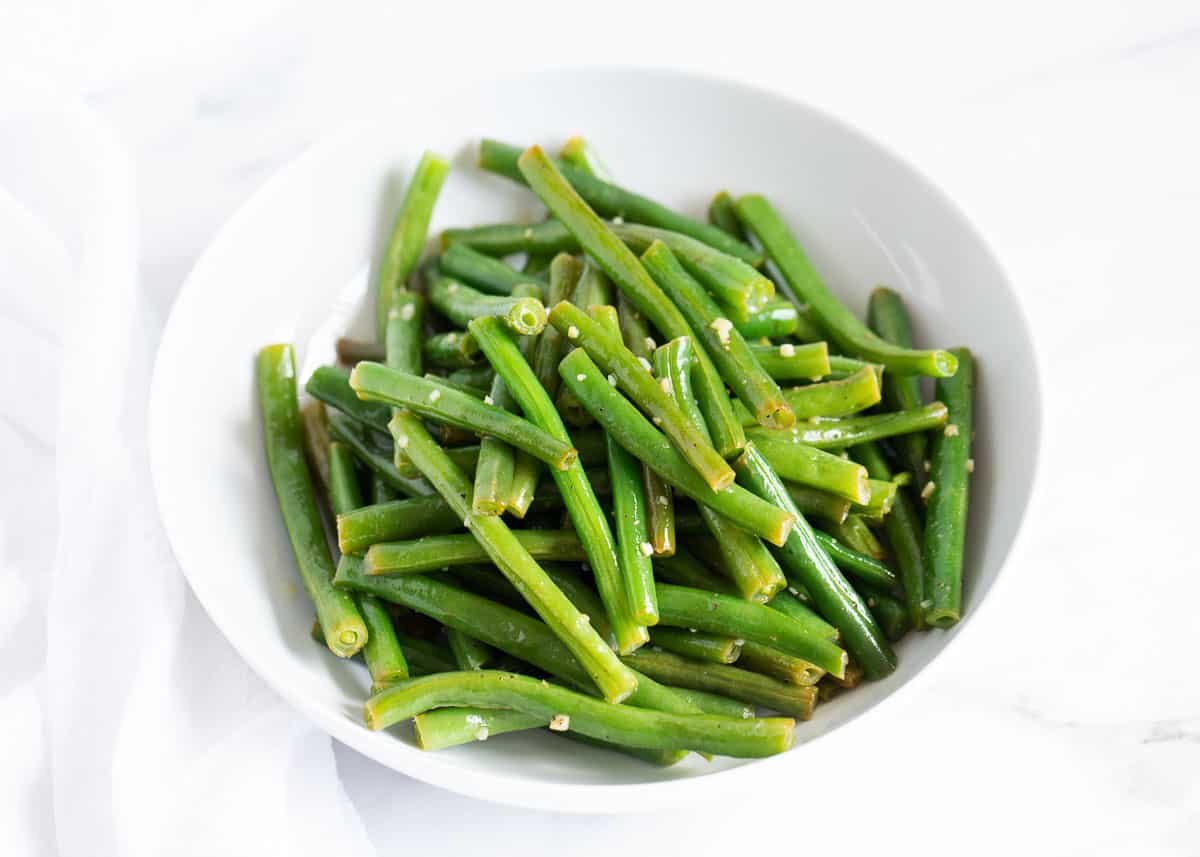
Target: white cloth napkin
129,726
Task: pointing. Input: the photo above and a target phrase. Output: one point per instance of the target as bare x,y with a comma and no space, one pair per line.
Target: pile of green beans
621,489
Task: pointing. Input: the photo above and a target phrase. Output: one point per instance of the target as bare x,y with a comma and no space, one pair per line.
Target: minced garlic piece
787,350
927,491
560,723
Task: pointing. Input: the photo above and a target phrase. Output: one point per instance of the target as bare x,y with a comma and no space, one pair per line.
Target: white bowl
294,265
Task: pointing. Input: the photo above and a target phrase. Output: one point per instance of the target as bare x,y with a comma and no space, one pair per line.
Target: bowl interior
295,263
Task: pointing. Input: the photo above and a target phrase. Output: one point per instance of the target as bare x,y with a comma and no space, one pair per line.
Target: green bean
860,566
821,504
513,632
660,499
385,660
631,278
593,288
381,465
403,335
408,234
790,362
526,469
732,283
713,648
714,703
585,599
684,607
849,431
478,378
634,548
504,549
461,304
794,608
315,434
433,552
855,534
946,492
778,318
634,378
345,631
450,727
350,351
398,520
904,532
722,216
636,435
879,504
839,398
807,564
891,615
732,357
451,350
485,273
613,201
738,683
578,496
331,385
565,272
619,724
577,153
888,317
807,329
778,665
469,653
502,239
747,561
850,334
423,396
808,465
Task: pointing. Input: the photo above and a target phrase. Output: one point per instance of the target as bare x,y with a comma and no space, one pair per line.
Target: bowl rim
515,791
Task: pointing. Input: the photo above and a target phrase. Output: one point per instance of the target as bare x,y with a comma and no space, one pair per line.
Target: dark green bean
713,648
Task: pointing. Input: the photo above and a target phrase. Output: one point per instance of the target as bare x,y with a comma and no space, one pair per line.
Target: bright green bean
408,234
799,462
684,607
423,396
790,362
946,513
484,273
613,201
779,665
730,354
618,724
849,431
461,303
847,331
430,553
738,683
345,631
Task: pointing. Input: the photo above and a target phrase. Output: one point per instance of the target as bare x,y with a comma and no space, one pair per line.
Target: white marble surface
1068,720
